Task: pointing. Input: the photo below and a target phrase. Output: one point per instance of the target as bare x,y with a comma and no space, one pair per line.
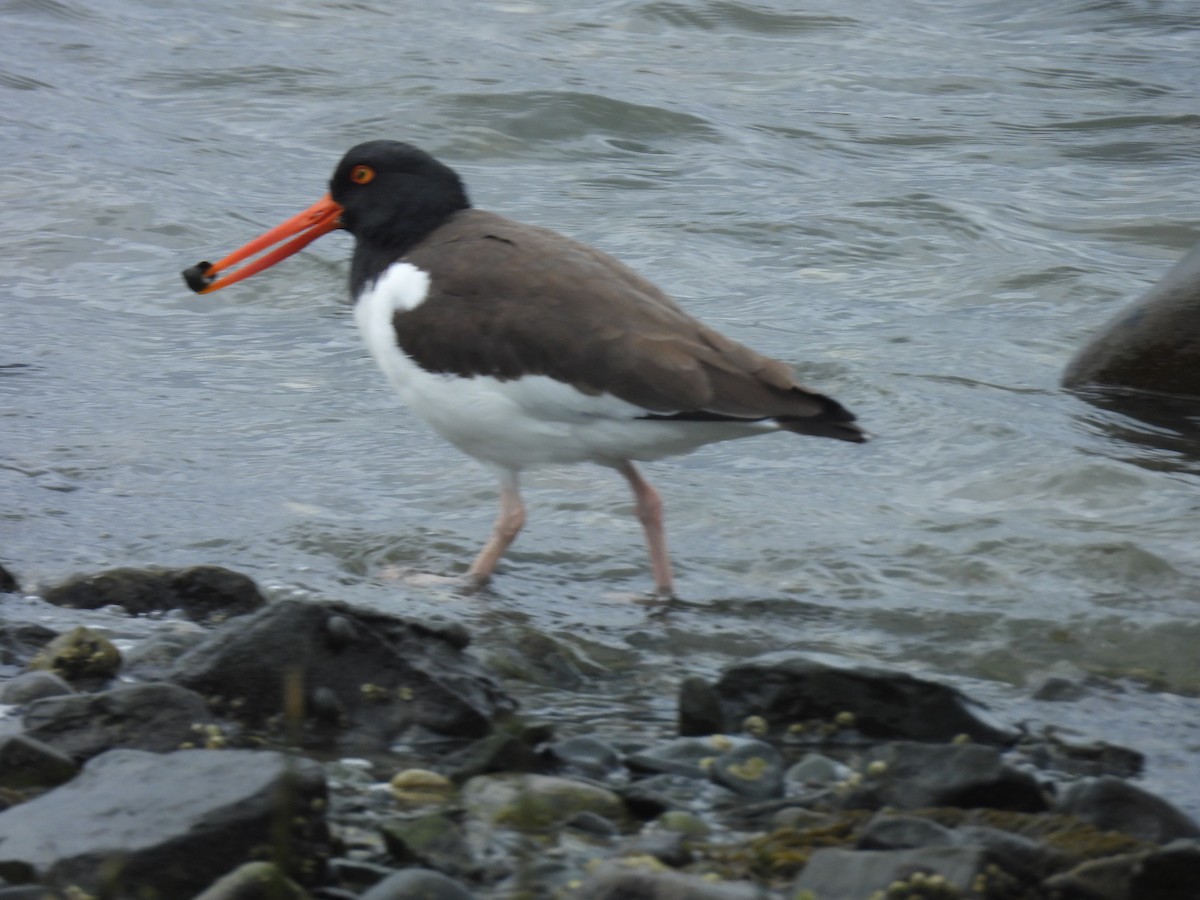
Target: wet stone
754,770
536,802
896,832
585,755
927,872
253,881
1115,805
79,655
618,882
29,686
27,763
908,775
786,689
204,593
173,820
157,717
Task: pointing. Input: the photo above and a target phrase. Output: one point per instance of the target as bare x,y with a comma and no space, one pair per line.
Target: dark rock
787,689
1096,758
1115,805
30,686
8,582
585,755
1172,873
498,752
1097,879
357,874
30,892
753,769
616,882
156,717
700,710
204,593
386,674
254,881
161,825
418,884
908,775
897,832
26,763
1151,345
21,641
1057,689
934,872
79,655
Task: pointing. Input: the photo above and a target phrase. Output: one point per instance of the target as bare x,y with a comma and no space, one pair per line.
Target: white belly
530,421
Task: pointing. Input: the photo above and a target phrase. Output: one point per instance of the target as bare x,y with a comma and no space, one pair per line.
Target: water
926,205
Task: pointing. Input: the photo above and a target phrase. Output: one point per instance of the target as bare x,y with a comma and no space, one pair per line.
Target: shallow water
927,212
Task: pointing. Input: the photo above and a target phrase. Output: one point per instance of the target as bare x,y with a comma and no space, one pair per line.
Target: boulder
908,775
360,678
1153,344
144,824
787,689
157,717
1112,804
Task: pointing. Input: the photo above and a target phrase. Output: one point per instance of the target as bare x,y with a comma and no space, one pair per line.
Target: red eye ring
362,174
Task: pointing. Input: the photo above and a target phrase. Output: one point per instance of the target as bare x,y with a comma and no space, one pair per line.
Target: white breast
518,423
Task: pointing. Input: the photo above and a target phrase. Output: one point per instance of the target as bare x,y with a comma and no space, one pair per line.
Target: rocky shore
296,749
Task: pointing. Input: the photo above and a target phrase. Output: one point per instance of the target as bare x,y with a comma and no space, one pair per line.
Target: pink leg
508,526
650,512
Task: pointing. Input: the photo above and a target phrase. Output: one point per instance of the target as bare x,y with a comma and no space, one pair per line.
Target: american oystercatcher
522,347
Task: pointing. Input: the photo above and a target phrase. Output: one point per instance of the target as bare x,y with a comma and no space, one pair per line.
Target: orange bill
320,218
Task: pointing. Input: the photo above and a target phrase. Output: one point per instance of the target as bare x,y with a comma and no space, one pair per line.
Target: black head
393,194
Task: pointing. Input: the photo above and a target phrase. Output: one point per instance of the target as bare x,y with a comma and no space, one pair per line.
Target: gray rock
157,717
616,882
908,775
384,674
688,756
253,881
153,658
1112,804
816,770
536,802
836,874
785,689
753,769
897,832
433,840
586,755
204,593
164,824
26,763
418,884
30,686
21,641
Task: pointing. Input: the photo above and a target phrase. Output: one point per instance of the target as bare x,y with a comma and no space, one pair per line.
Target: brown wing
510,299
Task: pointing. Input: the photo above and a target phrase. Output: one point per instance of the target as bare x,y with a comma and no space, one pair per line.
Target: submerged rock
204,593
536,802
1151,345
164,825
788,690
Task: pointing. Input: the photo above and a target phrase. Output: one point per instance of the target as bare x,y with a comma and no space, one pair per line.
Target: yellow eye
361,174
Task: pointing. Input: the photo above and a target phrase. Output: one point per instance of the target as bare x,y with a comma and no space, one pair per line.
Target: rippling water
927,205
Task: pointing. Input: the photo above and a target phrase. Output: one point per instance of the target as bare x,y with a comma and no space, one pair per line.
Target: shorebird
522,347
